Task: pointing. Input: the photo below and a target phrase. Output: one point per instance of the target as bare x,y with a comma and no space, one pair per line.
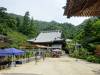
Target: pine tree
18,23
32,29
26,24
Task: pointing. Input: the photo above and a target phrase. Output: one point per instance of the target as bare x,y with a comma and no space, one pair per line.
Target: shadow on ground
97,72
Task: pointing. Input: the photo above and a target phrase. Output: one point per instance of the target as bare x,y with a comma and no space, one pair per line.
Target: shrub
79,53
17,39
91,58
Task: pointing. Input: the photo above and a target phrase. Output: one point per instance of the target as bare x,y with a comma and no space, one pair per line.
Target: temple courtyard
55,66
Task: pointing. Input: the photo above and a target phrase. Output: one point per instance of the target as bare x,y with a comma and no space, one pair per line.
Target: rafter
82,8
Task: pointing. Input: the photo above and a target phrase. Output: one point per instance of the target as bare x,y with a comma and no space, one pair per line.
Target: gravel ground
55,66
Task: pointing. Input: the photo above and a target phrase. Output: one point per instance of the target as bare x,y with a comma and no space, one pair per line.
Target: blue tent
14,51
10,51
3,53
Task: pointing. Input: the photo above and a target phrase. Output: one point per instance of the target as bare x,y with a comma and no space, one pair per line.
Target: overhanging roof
82,8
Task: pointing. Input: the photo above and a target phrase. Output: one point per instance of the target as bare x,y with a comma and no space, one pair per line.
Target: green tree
3,14
26,24
18,24
90,35
3,20
32,29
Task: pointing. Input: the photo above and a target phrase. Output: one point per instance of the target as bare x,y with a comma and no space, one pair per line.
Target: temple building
48,39
82,8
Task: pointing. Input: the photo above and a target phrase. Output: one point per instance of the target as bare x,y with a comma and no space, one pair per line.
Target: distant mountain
69,30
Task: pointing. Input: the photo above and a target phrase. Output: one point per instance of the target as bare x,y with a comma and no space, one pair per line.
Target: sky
44,10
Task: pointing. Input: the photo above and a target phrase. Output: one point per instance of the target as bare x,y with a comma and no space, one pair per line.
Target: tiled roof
47,36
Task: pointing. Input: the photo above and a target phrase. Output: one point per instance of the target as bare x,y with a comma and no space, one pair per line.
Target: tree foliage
17,28
89,36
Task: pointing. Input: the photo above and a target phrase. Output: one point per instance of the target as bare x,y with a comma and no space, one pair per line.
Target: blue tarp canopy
3,52
10,51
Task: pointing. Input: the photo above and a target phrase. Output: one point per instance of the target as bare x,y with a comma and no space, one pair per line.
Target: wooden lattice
82,8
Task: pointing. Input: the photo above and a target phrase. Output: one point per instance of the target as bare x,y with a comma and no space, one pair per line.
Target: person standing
36,59
43,55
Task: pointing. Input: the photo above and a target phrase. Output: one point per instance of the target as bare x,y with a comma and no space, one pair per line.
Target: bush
79,53
92,58
17,39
